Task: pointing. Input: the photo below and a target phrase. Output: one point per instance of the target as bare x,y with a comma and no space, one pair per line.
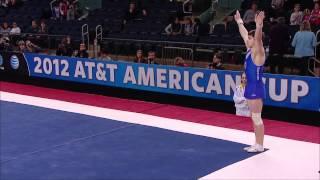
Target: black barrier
13,63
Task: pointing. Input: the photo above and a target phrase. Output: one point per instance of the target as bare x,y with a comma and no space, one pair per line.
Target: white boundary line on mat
285,159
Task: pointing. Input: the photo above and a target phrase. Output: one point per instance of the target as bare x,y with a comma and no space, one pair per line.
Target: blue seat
219,30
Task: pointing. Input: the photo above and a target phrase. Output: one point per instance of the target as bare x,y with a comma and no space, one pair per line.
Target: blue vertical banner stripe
297,92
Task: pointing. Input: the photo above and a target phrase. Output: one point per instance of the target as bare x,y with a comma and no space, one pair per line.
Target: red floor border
274,128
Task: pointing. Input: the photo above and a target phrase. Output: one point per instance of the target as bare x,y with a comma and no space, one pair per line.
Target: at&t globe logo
14,62
1,63
1,60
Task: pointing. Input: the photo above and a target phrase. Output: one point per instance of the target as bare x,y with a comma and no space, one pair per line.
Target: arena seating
224,37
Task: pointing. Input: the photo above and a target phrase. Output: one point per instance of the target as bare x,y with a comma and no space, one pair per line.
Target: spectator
82,53
5,29
278,45
249,15
188,27
69,45
32,47
240,102
200,29
22,46
296,16
62,50
139,57
65,47
56,11
5,44
34,27
304,42
151,57
13,3
180,62
306,15
174,28
315,15
71,12
4,3
216,62
277,4
196,26
277,9
104,55
140,6
43,29
63,8
131,13
77,9
15,29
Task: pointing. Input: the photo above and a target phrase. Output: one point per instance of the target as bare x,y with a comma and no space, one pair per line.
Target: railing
99,32
51,41
314,66
85,35
170,53
214,4
177,42
317,45
197,54
184,7
97,40
51,5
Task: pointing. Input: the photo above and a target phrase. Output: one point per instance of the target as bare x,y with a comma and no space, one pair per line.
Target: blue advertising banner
282,90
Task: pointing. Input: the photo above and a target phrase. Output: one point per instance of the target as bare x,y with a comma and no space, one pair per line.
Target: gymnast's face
243,79
250,41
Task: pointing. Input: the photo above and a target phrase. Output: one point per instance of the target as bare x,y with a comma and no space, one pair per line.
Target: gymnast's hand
237,18
259,18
